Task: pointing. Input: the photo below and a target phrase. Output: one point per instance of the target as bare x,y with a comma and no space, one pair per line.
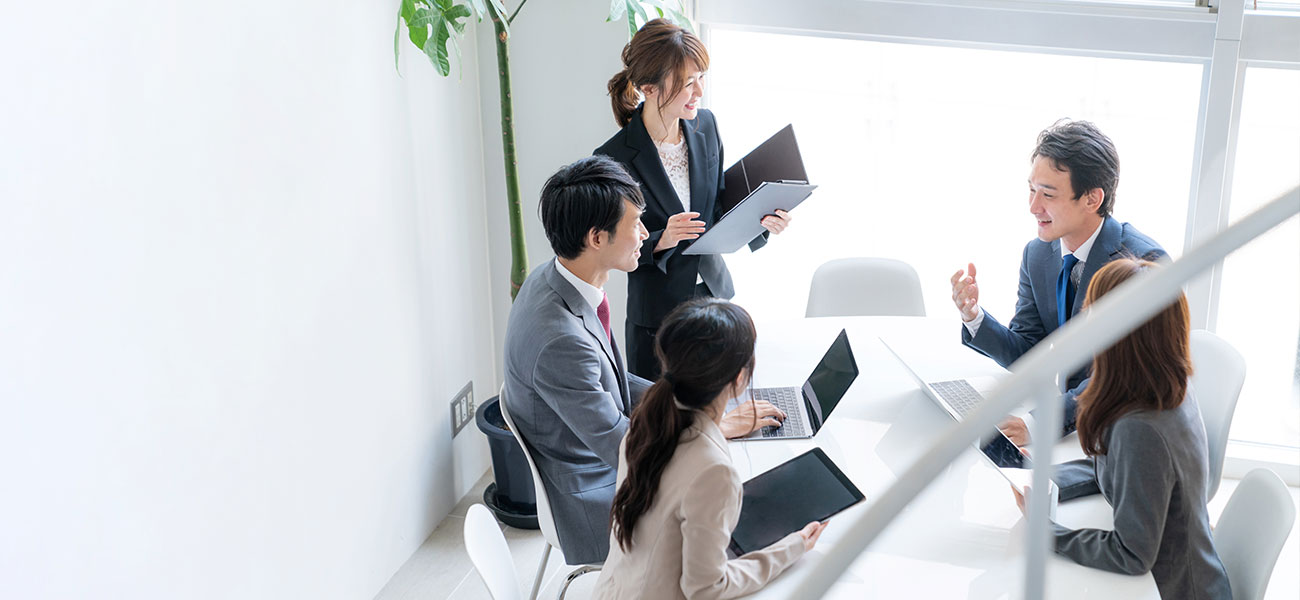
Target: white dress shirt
592,294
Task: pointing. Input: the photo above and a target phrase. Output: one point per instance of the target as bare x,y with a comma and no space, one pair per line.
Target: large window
1259,310
922,152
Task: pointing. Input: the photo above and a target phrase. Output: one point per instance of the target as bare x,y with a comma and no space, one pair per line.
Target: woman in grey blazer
678,496
1141,428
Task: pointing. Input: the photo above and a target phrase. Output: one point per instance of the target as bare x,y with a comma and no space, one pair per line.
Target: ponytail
658,51
703,346
657,424
623,97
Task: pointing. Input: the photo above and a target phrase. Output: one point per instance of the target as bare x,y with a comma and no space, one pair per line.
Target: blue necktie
1065,290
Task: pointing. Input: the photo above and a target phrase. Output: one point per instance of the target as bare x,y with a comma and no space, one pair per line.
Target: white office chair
544,517
1218,372
489,554
1251,531
865,286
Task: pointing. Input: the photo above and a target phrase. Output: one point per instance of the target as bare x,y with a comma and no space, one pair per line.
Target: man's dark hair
583,196
1087,153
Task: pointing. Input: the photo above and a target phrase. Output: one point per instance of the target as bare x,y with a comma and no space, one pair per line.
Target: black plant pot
511,496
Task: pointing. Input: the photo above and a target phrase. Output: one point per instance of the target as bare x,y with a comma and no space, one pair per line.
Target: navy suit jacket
1036,316
570,396
665,279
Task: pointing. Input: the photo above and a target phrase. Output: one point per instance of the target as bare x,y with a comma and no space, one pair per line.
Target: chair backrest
1251,531
545,519
1218,373
490,554
848,287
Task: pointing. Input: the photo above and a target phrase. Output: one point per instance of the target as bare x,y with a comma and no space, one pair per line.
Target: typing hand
966,293
681,226
776,223
1016,431
811,532
750,417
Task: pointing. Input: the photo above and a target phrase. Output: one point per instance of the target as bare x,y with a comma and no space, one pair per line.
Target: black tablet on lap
806,488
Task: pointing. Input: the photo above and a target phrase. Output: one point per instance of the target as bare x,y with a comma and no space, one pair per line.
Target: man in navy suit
1072,182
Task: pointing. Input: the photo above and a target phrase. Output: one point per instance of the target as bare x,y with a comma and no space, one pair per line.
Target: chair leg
578,572
541,571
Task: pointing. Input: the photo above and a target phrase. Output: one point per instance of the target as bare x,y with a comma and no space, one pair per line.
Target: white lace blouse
674,159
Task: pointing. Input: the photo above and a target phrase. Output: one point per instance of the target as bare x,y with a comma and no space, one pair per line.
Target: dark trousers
641,358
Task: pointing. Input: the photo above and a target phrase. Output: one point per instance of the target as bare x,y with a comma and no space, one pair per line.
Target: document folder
744,222
770,177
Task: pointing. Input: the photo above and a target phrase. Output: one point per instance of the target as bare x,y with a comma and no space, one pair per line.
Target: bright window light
1259,309
922,153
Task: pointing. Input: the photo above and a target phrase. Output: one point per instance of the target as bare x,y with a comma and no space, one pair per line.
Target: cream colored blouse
679,546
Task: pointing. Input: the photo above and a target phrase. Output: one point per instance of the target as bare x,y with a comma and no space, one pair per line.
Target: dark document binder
770,177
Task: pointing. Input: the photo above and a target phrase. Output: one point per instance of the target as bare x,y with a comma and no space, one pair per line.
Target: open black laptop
807,407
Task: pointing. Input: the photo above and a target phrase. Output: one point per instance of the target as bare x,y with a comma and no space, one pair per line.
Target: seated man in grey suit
1072,181
566,387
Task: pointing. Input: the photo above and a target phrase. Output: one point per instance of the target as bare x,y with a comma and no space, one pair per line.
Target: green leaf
419,35
408,9
681,20
631,24
480,9
617,8
397,46
437,51
640,10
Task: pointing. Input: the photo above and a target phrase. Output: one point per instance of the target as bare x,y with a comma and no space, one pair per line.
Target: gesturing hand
966,293
681,226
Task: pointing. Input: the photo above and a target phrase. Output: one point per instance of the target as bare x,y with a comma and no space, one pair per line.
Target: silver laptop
960,397
807,407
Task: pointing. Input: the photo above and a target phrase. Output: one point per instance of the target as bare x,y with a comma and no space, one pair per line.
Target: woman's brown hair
1145,370
703,346
659,50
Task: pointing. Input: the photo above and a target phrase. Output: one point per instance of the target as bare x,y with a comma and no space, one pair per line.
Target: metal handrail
1064,351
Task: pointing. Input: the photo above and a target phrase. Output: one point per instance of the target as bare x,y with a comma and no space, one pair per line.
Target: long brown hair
1146,369
658,50
703,346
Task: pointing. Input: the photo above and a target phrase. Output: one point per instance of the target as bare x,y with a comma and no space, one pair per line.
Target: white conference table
962,537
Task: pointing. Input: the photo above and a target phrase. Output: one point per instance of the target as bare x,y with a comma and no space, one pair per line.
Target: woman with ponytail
1147,454
671,145
678,496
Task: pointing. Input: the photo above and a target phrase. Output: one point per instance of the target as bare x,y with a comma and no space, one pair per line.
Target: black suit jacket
665,279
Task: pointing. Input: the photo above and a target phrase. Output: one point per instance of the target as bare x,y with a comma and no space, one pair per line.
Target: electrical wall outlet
462,408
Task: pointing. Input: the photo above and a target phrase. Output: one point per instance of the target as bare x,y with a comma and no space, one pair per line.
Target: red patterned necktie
602,313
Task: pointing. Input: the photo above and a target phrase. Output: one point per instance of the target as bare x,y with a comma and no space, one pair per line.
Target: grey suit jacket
1154,475
1035,316
569,395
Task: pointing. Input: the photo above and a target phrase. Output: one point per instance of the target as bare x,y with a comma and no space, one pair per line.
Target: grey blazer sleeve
567,378
637,386
1140,473
1076,479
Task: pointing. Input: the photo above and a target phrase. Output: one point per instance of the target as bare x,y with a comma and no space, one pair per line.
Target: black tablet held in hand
806,488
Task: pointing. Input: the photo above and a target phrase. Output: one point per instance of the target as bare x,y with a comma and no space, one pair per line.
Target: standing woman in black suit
671,146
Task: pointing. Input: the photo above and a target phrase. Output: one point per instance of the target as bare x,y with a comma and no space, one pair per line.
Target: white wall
242,273
562,54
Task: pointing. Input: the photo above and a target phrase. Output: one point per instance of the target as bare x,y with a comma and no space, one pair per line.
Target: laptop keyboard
960,395
788,400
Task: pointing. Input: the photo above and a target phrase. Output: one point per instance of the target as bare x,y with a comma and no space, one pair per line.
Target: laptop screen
832,377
